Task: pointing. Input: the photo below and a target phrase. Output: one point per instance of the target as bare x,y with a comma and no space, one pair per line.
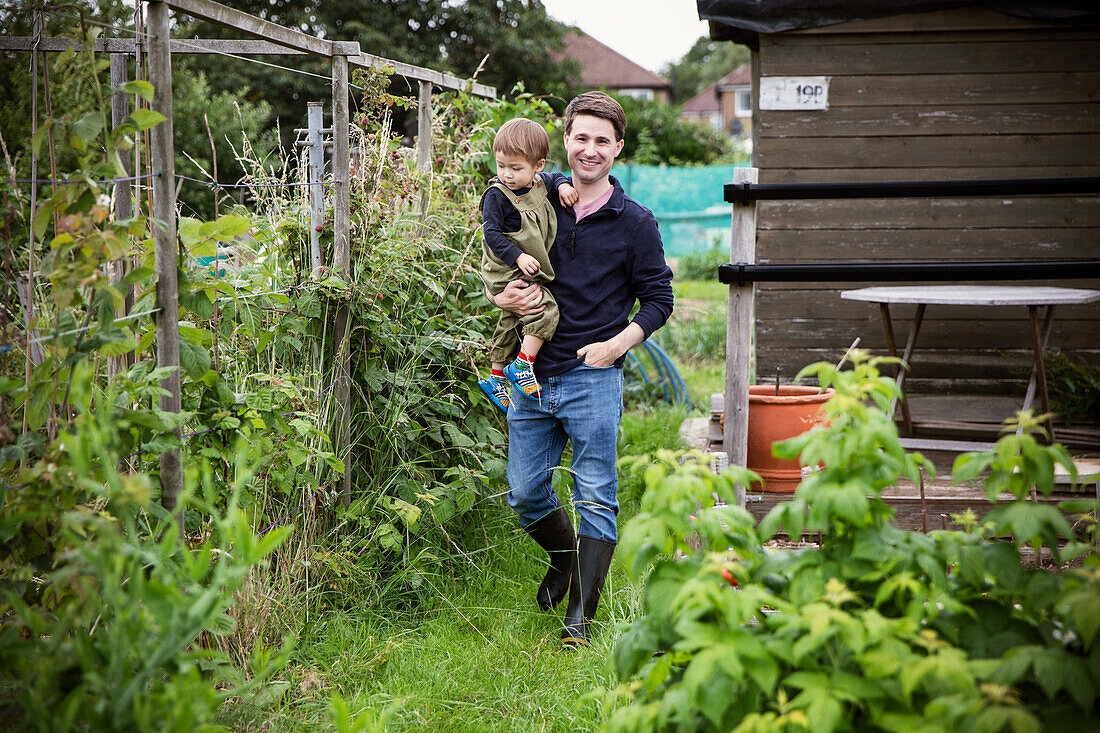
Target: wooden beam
165,247
739,338
238,47
446,81
259,28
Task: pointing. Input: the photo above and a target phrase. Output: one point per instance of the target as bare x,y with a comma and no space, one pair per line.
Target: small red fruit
729,577
319,228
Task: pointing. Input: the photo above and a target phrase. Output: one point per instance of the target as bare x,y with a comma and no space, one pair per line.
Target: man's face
591,148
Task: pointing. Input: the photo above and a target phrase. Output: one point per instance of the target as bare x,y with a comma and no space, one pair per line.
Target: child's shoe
497,390
521,374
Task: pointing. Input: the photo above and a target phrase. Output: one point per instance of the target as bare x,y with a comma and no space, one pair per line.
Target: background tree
705,63
503,41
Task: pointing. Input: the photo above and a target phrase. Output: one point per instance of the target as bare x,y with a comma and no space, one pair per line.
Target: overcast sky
651,33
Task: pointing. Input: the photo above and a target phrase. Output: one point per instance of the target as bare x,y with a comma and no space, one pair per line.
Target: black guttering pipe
743,273
743,193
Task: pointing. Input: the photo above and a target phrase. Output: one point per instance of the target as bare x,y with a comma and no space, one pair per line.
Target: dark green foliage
706,62
515,35
700,335
702,264
879,629
656,135
258,368
1074,387
103,609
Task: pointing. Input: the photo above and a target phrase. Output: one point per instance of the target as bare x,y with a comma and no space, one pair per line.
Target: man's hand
519,297
567,195
528,264
599,354
606,353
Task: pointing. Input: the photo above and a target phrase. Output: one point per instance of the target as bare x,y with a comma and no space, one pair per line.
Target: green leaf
118,348
87,127
194,359
138,274
146,118
142,89
229,226
40,135
261,400
187,228
465,500
221,624
198,302
633,649
310,305
250,317
1050,671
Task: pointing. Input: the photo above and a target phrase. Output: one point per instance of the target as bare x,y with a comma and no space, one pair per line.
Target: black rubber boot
593,561
554,533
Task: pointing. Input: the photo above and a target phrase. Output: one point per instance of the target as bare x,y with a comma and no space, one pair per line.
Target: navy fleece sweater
603,264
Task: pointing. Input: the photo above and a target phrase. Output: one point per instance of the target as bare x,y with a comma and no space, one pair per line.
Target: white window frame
739,109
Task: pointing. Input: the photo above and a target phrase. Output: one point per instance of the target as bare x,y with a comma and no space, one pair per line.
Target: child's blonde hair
524,138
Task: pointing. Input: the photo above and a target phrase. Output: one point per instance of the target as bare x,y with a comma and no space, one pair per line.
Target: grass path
470,652
482,657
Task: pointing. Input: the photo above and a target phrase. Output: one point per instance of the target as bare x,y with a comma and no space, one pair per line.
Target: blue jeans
583,406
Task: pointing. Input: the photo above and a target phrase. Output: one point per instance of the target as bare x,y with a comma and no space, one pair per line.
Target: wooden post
166,252
315,121
424,142
739,333
341,260
341,164
123,205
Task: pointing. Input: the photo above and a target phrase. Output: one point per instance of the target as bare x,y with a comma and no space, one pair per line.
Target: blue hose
667,374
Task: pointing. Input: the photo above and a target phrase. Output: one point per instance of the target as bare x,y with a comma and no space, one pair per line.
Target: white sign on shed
794,92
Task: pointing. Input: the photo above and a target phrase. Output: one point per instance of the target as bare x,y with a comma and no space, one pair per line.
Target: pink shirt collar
583,211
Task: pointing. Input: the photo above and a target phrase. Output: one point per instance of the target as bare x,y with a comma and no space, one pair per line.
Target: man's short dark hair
597,104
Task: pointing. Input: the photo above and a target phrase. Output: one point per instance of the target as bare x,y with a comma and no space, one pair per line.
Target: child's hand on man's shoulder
567,195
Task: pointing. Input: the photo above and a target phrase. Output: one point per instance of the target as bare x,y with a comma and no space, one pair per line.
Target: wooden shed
921,91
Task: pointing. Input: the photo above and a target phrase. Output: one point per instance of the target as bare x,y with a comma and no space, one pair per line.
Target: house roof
604,67
744,20
702,103
739,77
707,100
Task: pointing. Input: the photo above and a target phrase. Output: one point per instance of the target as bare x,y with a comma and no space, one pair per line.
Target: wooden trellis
268,39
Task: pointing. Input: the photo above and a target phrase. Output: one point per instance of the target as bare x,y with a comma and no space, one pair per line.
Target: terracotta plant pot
777,417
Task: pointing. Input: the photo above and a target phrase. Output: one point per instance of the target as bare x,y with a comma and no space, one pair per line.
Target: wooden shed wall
950,95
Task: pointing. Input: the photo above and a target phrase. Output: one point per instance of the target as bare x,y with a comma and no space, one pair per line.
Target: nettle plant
879,628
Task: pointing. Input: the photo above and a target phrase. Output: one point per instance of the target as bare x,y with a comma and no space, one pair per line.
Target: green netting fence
686,201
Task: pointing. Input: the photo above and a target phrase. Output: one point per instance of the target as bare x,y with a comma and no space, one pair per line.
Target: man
607,255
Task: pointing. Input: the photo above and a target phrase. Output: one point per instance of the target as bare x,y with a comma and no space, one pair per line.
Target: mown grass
476,653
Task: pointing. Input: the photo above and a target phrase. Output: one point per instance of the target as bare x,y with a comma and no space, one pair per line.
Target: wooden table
1033,297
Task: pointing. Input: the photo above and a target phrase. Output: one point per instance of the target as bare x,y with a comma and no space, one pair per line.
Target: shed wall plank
844,245
940,213
930,119
962,173
1007,88
917,58
942,151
